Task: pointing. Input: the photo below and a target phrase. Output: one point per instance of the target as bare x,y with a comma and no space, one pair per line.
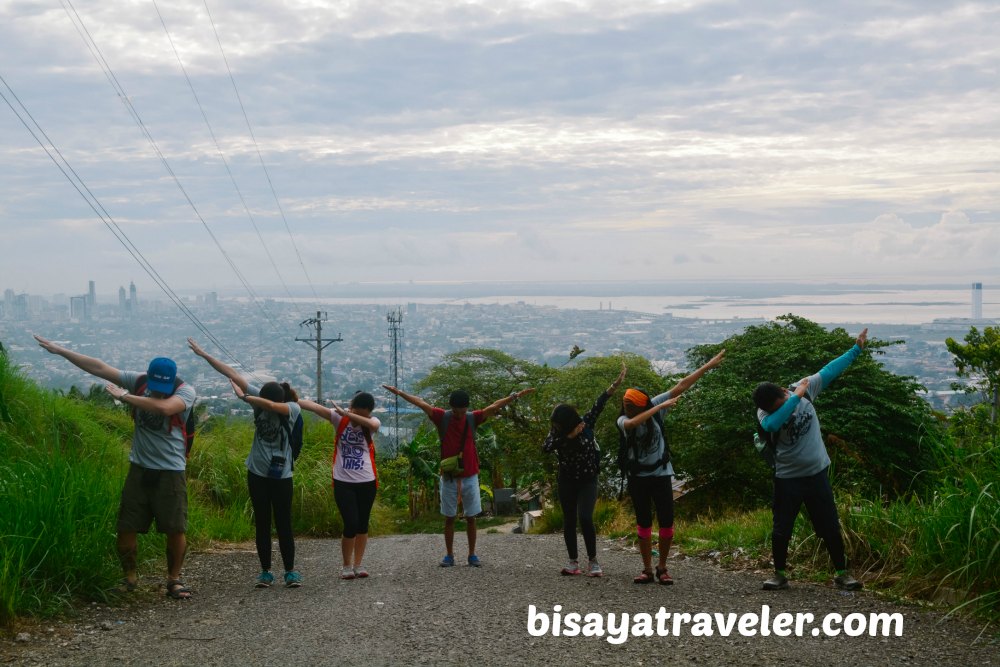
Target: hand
802,387
336,408
48,345
195,347
524,392
391,389
240,394
116,392
618,381
716,360
669,403
862,338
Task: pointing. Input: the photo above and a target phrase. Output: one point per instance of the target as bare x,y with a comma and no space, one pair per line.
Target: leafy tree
879,432
979,360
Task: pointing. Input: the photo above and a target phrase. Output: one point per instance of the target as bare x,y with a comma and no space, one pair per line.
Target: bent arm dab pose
645,458
571,438
269,465
801,474
156,486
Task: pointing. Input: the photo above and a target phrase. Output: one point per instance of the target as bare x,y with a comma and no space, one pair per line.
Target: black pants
650,492
816,493
578,498
354,500
268,494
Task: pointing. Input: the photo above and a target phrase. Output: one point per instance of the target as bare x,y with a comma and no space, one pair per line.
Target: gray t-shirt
158,441
654,452
799,448
270,438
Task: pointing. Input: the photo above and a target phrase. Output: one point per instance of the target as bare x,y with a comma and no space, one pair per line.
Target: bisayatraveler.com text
618,628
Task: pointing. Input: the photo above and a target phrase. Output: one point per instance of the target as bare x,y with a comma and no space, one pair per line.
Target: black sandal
178,590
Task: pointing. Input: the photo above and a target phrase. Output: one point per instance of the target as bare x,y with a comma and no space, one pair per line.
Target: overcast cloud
507,140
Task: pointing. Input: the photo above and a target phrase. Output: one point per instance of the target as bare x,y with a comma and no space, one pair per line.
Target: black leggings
267,494
578,498
816,493
649,492
354,500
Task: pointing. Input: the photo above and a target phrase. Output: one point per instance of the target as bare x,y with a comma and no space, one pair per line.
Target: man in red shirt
457,430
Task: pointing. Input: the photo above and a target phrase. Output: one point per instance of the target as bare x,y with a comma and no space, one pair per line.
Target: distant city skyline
511,140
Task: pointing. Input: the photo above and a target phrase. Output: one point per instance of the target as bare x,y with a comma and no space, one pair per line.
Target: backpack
628,441
294,434
442,428
766,445
187,426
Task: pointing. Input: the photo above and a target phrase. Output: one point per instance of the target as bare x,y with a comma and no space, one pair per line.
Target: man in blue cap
156,487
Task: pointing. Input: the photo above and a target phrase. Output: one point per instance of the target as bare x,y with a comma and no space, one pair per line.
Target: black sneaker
846,582
776,583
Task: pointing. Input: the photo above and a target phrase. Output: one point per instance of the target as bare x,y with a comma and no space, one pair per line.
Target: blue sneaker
448,561
474,561
264,580
293,579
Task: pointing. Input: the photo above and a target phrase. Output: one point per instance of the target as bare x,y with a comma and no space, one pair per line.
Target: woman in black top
571,437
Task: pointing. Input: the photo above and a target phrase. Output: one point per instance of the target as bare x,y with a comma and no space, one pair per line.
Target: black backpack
628,441
187,426
294,434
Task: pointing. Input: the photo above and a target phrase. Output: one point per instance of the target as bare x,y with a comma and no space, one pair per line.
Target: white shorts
471,503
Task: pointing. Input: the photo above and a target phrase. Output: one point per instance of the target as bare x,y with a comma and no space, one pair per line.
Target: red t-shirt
451,443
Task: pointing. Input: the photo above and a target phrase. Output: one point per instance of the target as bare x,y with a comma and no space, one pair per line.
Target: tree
979,361
879,432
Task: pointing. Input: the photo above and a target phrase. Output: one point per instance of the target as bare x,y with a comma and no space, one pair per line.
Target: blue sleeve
832,370
774,421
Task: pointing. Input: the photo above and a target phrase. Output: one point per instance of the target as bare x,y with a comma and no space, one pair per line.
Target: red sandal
663,577
644,577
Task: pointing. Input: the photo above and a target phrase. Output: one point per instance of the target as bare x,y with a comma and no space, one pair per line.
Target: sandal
644,577
663,577
178,590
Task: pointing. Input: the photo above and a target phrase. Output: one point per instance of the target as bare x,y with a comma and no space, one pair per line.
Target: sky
508,140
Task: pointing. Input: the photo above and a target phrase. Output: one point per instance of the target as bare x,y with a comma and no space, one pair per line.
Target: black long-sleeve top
580,457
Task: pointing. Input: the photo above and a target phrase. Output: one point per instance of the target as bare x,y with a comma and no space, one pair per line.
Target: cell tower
319,344
977,301
395,319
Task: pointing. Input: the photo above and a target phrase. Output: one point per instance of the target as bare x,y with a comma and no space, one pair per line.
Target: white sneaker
572,568
595,569
347,573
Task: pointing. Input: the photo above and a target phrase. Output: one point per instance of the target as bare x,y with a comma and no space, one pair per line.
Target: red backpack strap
341,425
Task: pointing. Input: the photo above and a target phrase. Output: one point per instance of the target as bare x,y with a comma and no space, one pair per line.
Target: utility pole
319,344
395,319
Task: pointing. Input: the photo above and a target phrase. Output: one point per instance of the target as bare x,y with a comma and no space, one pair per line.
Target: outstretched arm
314,407
686,383
258,402
219,366
591,417
82,361
165,407
832,370
632,422
369,423
410,398
495,407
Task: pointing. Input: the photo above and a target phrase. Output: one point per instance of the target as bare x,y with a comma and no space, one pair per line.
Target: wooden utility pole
319,344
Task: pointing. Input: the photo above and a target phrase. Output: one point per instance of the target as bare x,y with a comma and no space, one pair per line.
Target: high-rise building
122,304
78,307
92,295
133,301
977,301
8,302
21,309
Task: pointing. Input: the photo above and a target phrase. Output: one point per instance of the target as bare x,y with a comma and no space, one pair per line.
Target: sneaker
347,573
448,561
776,583
264,580
846,582
360,573
595,569
293,579
571,569
474,561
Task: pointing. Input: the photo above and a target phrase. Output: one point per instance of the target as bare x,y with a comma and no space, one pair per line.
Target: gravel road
410,611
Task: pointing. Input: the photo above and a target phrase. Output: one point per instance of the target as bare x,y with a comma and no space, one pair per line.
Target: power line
222,155
260,157
95,204
120,90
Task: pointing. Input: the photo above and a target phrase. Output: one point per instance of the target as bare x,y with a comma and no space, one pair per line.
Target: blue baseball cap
160,375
